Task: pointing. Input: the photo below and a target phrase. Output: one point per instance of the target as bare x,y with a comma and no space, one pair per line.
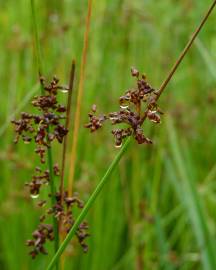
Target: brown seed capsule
94,108
134,72
153,116
56,169
41,203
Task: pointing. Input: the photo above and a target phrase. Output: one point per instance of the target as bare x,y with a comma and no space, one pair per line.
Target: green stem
36,38
49,150
53,200
89,204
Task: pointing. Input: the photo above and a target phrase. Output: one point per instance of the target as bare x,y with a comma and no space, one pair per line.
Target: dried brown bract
136,105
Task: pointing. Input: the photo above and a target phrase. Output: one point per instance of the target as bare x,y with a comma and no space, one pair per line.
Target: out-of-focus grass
150,216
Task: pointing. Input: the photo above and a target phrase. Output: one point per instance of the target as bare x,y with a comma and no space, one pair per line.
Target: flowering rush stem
118,157
67,124
49,151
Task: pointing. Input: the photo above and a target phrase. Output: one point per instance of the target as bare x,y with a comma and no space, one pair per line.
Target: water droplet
64,91
118,145
34,196
124,106
124,103
154,121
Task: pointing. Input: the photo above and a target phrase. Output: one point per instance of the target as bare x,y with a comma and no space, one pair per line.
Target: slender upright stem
67,124
116,160
65,143
36,39
53,200
79,101
49,150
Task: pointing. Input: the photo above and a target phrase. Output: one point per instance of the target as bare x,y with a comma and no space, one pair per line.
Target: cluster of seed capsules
131,112
62,211
43,128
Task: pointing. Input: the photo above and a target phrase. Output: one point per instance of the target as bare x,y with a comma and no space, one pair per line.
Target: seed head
131,113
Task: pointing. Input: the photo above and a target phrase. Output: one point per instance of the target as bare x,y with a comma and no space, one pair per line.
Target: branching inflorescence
131,112
44,128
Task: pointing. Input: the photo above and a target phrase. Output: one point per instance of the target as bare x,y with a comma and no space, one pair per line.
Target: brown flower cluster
40,178
131,112
40,236
44,128
63,212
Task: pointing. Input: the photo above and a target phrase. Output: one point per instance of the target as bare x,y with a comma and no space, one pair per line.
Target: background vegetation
158,210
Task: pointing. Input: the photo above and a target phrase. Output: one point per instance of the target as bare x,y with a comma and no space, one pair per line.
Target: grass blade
193,203
19,108
89,204
210,64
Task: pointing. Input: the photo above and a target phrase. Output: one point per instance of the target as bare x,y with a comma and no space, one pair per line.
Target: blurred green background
158,210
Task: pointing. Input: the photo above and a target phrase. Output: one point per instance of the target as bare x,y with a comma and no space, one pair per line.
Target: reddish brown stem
180,58
184,52
67,124
79,100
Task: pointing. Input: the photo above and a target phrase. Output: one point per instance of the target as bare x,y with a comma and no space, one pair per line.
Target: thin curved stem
184,52
89,203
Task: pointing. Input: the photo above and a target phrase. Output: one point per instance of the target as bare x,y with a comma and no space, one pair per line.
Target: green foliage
158,210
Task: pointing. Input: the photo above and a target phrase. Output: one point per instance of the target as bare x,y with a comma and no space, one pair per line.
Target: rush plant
133,116
51,123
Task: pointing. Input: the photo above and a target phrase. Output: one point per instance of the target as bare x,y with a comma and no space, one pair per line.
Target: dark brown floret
120,135
41,235
95,122
62,210
134,72
56,169
39,179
